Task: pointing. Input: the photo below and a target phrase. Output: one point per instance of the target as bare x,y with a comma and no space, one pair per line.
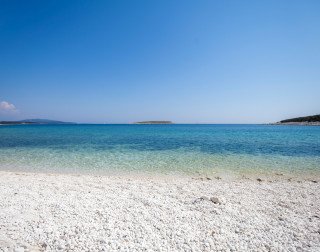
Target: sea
160,149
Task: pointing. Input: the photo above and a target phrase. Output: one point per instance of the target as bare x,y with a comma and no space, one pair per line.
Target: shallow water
160,148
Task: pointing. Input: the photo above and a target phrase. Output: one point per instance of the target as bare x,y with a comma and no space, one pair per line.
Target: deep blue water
160,148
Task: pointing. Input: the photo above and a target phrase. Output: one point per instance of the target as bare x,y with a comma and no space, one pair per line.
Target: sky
179,60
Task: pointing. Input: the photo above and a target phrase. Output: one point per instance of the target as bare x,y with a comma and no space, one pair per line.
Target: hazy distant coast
33,121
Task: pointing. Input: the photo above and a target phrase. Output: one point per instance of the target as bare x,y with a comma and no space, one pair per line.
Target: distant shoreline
297,123
313,120
265,124
34,122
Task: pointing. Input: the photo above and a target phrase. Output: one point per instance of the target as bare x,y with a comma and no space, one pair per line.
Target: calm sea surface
160,148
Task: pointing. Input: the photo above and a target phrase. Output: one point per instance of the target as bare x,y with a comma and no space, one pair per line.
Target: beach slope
55,212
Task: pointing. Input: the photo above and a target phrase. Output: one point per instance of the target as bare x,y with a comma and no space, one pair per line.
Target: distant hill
154,122
45,121
34,121
306,120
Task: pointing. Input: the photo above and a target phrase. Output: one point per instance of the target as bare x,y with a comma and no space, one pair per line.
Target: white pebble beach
66,212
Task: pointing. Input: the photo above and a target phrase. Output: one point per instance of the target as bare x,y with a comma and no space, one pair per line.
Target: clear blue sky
185,61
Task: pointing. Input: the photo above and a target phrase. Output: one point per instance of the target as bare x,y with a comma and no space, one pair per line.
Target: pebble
204,198
19,249
156,214
215,200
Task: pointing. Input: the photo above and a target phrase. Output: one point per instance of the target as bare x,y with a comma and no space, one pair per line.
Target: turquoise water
160,148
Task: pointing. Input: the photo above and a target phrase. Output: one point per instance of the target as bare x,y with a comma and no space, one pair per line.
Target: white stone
58,211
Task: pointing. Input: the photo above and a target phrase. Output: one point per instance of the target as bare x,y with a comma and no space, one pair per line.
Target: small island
154,122
313,120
